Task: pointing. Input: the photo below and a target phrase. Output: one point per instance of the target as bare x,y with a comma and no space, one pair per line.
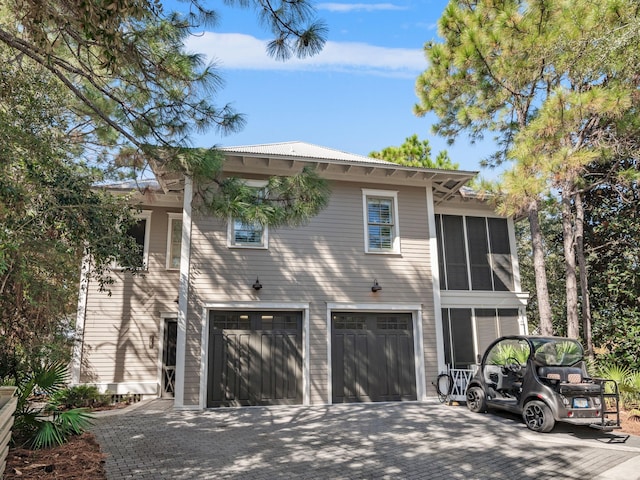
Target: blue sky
357,95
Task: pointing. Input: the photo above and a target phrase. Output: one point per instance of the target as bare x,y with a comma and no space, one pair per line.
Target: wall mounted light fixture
257,285
376,286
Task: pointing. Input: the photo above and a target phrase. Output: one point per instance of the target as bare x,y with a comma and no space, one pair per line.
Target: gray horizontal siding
323,261
118,328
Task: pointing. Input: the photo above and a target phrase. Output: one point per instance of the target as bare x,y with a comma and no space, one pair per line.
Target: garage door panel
361,368
279,366
266,374
254,366
406,367
337,376
350,377
352,382
217,356
242,373
372,357
392,373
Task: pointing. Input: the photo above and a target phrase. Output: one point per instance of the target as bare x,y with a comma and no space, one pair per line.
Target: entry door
372,357
255,358
169,358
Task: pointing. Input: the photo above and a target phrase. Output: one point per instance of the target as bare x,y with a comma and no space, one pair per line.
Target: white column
81,315
435,272
183,293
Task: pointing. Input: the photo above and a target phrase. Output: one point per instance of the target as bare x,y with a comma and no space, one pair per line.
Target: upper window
140,232
174,241
474,253
249,235
381,230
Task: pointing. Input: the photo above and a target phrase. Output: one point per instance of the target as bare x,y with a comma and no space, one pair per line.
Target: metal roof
302,150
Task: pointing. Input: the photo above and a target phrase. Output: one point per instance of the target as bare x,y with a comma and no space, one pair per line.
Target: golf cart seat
561,374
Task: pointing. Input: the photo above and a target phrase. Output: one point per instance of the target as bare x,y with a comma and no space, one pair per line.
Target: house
404,274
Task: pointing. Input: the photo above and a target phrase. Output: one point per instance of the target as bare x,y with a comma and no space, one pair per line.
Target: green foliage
627,379
554,259
556,84
612,238
562,353
506,351
38,421
568,349
131,82
80,396
284,201
415,153
90,91
51,216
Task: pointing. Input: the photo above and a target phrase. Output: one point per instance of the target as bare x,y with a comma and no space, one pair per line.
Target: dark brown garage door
255,358
372,357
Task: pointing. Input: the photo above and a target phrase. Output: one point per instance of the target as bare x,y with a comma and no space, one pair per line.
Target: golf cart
545,380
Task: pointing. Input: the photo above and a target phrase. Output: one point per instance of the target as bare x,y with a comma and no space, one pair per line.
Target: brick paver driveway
361,441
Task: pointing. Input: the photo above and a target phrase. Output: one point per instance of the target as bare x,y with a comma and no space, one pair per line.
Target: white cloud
243,52
353,7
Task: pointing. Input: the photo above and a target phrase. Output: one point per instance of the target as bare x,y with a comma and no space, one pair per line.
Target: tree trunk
542,291
584,276
573,328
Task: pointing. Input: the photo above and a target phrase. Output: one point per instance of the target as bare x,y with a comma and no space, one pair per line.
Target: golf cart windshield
557,352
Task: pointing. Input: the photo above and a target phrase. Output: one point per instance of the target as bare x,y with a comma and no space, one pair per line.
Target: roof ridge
305,149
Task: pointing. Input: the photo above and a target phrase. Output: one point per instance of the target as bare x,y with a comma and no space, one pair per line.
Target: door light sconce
376,286
257,285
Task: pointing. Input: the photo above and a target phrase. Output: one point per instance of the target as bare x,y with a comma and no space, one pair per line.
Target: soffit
289,158
445,183
147,192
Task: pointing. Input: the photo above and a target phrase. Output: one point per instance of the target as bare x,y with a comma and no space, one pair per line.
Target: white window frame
145,215
231,224
385,194
173,216
142,215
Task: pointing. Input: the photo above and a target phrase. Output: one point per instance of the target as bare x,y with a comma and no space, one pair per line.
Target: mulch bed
631,426
79,458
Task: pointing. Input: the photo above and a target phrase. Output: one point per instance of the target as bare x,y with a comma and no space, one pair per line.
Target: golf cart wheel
538,417
476,401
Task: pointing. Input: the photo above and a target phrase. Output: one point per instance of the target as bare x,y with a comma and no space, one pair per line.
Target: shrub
628,382
39,421
81,396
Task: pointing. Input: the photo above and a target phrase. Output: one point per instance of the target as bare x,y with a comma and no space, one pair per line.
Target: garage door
255,358
372,357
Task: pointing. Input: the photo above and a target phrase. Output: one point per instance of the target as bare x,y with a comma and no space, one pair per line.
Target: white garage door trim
418,344
254,306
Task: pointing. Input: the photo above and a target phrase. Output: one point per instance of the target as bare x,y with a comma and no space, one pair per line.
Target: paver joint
359,441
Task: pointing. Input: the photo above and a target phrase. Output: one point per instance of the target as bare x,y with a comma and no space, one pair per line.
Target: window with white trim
140,231
249,235
174,241
381,229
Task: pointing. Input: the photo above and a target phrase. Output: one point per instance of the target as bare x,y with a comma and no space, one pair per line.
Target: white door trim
253,306
418,345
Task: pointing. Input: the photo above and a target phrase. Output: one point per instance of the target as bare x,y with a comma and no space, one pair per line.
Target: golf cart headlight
596,401
565,400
